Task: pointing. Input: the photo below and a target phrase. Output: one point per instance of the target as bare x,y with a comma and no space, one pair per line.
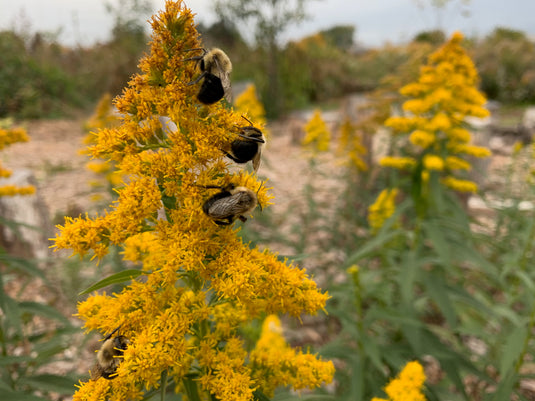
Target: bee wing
225,82
226,207
257,159
96,372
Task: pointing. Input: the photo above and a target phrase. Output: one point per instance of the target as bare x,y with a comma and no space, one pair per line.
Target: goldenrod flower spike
9,136
407,386
318,136
435,117
383,208
201,283
249,105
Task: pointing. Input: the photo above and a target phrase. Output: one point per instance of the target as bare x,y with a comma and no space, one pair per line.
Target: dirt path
53,155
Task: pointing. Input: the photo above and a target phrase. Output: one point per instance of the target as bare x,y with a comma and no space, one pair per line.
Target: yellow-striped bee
109,356
229,204
215,69
248,147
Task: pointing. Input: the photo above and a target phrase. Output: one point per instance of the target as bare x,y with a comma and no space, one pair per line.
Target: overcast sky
376,21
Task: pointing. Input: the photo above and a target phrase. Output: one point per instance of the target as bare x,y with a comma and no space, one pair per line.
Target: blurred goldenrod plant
248,104
407,386
317,135
383,208
9,136
351,143
199,283
275,363
33,333
104,116
435,119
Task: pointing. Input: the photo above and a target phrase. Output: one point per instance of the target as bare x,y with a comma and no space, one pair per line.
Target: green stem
354,271
526,340
164,385
527,245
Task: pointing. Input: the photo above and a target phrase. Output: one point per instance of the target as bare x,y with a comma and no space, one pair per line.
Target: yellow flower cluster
317,135
9,136
407,386
351,144
103,117
249,105
12,190
383,208
200,283
299,370
444,95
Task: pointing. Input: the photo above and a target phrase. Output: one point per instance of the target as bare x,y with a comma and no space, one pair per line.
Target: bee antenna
196,58
112,333
246,119
258,190
208,186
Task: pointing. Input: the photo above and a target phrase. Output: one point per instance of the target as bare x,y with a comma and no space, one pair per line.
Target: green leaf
440,243
10,309
260,396
43,310
192,391
513,348
9,360
25,265
50,382
410,268
371,246
125,275
505,387
21,396
437,290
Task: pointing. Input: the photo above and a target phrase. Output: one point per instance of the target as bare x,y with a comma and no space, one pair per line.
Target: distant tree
501,33
506,63
129,39
222,33
434,37
129,16
270,18
340,36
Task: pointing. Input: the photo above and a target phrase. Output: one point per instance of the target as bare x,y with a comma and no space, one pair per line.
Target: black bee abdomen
211,89
243,151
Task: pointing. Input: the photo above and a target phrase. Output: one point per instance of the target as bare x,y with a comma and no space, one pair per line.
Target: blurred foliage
32,82
434,37
506,63
451,288
41,78
268,19
33,333
340,36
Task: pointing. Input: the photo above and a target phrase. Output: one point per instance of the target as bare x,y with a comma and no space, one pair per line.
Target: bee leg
242,218
234,159
196,57
197,80
249,138
224,223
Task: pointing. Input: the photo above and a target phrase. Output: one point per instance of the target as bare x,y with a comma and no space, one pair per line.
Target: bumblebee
109,356
229,204
248,147
215,69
